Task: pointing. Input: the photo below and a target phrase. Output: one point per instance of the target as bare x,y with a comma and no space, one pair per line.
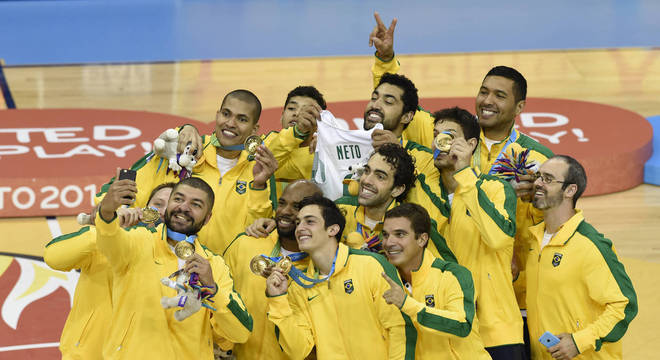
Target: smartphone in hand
548,339
127,174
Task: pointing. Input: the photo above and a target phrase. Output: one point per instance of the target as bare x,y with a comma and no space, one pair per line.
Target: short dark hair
403,164
248,97
575,174
519,82
329,211
468,122
307,91
160,187
410,98
198,183
419,218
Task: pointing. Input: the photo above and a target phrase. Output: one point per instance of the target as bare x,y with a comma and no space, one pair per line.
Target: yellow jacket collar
418,276
565,232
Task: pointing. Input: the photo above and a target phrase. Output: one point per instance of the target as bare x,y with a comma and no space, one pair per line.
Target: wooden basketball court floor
628,78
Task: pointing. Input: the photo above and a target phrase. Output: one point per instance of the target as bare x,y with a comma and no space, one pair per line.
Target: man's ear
422,240
333,230
473,142
520,106
208,217
255,128
570,191
407,117
398,190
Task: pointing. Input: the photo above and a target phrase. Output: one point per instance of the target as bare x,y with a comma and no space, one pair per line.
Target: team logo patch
556,259
241,187
348,286
430,301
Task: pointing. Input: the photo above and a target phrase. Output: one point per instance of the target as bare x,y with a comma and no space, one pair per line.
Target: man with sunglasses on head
577,289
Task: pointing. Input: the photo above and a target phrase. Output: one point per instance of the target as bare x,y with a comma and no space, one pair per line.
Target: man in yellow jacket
577,289
478,212
262,344
240,184
84,331
141,257
339,306
438,296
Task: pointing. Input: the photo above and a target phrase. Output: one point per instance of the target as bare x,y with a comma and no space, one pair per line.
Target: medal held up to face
150,215
260,264
443,141
251,144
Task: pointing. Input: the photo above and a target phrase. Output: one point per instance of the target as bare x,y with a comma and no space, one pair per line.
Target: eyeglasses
547,180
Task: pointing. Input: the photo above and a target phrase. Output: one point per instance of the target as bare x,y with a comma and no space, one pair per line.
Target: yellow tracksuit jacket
84,331
346,316
262,344
141,328
237,204
576,284
479,226
441,306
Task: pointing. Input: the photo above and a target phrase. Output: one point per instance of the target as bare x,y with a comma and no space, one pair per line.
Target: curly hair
403,164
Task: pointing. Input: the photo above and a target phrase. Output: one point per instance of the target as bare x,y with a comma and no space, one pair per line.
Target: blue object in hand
548,340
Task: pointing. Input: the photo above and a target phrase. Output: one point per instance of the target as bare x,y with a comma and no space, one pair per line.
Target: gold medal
443,141
259,265
285,264
251,145
184,250
150,215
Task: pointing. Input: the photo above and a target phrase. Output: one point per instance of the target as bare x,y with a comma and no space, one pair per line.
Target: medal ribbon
177,236
275,254
477,155
372,240
297,275
215,142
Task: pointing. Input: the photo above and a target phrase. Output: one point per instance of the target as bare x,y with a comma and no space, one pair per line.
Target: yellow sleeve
117,244
608,285
492,206
402,335
381,67
231,319
452,314
282,143
297,166
423,157
260,202
293,327
71,251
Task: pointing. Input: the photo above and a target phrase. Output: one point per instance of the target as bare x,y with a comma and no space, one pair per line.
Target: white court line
54,227
29,346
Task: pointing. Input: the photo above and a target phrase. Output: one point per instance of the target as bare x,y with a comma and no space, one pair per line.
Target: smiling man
240,184
339,309
438,296
476,213
141,257
262,344
577,288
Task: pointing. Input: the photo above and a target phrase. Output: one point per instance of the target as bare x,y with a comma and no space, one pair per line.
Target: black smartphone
127,174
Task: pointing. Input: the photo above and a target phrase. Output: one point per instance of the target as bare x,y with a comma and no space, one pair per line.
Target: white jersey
338,149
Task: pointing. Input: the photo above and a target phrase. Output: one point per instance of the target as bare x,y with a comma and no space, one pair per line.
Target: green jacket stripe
508,226
68,236
618,271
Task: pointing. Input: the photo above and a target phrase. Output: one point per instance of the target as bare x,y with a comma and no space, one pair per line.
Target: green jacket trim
507,226
458,328
443,206
441,244
68,236
348,200
529,143
137,166
617,269
390,270
242,315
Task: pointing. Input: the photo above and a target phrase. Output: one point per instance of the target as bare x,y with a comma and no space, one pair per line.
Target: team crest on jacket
348,286
556,259
430,301
241,186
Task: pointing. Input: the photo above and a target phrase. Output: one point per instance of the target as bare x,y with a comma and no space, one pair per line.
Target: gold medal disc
251,145
150,215
259,264
443,141
285,264
184,250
